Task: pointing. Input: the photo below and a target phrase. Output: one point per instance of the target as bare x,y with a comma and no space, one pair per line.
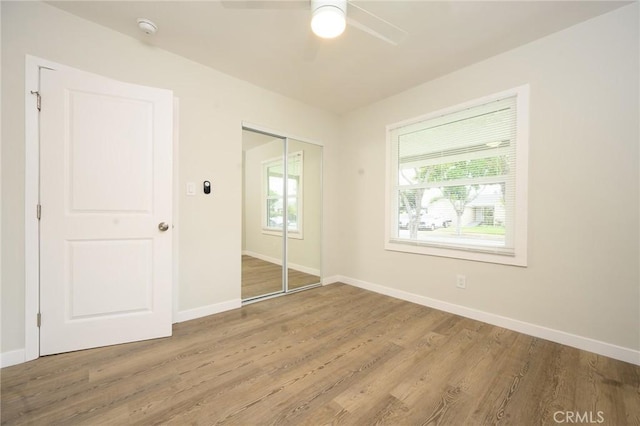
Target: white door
105,186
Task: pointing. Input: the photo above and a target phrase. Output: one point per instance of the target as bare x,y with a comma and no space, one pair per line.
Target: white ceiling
274,48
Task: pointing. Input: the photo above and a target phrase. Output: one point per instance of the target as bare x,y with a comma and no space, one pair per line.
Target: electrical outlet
461,281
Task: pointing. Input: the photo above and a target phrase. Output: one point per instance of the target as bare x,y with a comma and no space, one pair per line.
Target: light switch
191,188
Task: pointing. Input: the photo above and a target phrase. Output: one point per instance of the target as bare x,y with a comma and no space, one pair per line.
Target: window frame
518,233
296,233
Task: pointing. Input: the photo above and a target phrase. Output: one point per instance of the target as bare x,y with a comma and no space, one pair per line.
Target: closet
281,214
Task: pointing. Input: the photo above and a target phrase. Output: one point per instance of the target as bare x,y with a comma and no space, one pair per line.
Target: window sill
278,233
473,254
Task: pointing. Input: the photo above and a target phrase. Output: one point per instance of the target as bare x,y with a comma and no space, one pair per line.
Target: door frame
33,65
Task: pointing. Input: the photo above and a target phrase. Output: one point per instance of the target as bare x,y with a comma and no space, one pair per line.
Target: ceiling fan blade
265,4
366,21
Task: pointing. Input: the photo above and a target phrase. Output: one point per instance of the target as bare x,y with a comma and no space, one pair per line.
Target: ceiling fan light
328,21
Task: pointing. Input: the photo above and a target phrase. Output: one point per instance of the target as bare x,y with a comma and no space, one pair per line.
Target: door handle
163,226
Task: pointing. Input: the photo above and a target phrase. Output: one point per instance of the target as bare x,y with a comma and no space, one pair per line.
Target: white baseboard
204,311
7,359
294,266
601,348
332,280
585,343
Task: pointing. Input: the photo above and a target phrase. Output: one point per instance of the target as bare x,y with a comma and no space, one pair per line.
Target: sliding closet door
264,215
304,214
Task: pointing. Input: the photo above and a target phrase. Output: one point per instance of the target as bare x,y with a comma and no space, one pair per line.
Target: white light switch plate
191,188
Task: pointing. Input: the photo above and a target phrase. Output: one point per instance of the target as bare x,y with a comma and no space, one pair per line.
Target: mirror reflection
282,207
304,207
262,243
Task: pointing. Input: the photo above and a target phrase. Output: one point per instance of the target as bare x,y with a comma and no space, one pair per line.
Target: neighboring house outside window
457,181
274,195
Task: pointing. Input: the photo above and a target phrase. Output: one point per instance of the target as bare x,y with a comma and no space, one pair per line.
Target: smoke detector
147,26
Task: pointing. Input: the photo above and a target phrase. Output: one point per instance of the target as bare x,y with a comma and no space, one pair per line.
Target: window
274,195
457,181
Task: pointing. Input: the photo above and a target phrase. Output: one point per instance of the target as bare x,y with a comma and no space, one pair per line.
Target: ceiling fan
329,17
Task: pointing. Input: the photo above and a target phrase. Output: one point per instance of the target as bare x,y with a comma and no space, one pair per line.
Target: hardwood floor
335,354
260,277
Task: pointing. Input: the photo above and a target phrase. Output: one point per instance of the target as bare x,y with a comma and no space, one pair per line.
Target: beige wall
583,273
212,106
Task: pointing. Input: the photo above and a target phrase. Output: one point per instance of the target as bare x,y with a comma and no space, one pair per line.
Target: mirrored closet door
305,208
282,206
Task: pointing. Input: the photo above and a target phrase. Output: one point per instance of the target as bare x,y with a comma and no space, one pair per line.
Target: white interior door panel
105,186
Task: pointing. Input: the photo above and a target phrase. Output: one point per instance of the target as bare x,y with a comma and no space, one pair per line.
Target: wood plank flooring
330,355
260,277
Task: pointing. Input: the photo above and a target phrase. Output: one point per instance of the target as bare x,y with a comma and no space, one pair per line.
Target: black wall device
206,187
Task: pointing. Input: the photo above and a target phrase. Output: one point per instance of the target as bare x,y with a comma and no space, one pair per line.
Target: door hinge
38,99
39,211
39,319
